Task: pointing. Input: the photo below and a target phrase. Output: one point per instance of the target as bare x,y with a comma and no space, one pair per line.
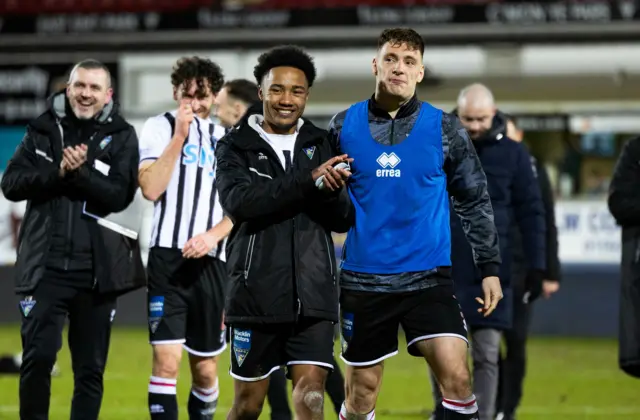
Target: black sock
335,387
163,404
202,403
461,409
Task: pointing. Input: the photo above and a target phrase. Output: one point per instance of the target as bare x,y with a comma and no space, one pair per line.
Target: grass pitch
567,379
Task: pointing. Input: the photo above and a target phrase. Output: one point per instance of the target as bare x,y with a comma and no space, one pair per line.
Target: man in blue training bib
409,158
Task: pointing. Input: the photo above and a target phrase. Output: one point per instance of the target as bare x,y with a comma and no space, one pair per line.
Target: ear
374,66
68,90
109,96
421,74
260,95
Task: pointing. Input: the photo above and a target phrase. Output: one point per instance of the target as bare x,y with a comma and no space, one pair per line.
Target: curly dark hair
202,70
285,56
399,36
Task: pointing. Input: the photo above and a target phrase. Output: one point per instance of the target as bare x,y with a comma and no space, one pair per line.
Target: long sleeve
113,192
529,210
624,190
30,174
467,184
243,198
553,259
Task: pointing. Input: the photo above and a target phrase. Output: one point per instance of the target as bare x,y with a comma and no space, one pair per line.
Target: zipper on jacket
295,270
391,132
249,256
69,247
326,241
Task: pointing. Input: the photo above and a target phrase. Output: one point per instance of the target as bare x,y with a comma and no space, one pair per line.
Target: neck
274,129
391,104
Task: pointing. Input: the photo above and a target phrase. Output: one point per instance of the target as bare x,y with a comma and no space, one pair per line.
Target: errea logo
388,163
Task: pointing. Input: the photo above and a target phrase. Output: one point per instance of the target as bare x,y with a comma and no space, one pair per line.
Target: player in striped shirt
186,266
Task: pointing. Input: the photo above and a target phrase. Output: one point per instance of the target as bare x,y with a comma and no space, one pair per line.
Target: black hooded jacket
54,232
280,254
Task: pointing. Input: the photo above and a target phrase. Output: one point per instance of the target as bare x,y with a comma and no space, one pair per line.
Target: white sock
466,406
344,415
206,395
165,386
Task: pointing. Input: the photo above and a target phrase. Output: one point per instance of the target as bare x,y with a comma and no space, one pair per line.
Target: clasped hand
73,158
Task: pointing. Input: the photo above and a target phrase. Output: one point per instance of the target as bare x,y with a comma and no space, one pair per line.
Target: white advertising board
587,233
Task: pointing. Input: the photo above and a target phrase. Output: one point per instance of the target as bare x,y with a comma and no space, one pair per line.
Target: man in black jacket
283,300
238,98
80,152
513,364
624,205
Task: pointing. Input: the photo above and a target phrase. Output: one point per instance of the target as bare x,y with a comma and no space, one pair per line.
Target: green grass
567,379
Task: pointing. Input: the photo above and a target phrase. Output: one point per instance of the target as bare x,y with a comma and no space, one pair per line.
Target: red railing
113,6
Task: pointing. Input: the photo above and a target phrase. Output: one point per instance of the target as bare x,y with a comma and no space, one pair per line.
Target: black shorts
185,300
370,321
258,350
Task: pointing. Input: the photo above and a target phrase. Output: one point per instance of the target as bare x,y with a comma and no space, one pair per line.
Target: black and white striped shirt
190,205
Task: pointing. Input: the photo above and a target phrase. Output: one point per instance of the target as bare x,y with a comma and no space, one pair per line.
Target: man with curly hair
277,182
186,269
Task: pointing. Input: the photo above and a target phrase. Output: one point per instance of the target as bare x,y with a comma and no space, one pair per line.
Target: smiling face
88,91
284,93
199,94
398,69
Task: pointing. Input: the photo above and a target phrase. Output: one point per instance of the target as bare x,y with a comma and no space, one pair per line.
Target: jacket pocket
249,257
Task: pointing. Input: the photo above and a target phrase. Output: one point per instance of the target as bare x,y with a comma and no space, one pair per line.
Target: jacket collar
405,110
247,134
59,111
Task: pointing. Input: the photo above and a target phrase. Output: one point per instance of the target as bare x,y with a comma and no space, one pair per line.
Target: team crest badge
26,305
346,325
156,311
105,142
309,151
241,344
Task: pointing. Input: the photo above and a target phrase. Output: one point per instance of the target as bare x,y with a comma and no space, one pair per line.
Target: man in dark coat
79,156
624,205
515,198
513,364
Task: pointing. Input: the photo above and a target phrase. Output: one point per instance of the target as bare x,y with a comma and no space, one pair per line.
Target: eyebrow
281,86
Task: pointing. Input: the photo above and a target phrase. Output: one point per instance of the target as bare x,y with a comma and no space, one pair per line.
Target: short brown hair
202,70
399,36
243,90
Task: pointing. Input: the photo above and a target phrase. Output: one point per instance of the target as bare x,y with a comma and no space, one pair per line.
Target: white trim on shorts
205,354
430,336
260,378
309,362
163,342
373,362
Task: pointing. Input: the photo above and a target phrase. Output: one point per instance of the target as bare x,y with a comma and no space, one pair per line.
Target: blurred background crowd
568,71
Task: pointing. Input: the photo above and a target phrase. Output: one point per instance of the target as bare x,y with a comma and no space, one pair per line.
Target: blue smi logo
203,156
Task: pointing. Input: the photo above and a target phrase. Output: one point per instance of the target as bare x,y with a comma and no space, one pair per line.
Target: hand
549,287
333,179
73,157
532,286
200,245
492,295
184,118
63,168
